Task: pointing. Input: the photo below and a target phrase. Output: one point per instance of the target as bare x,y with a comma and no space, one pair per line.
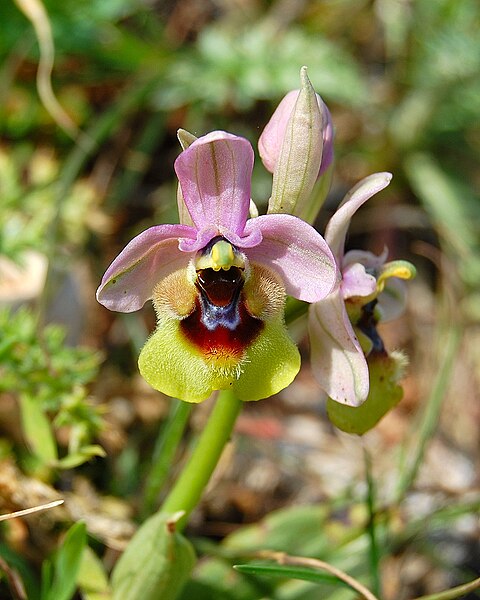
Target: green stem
428,426
167,443
455,592
188,489
374,552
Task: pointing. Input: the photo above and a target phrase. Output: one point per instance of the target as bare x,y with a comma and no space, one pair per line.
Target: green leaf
453,593
78,458
288,572
215,578
92,579
47,578
67,563
37,430
157,562
23,569
294,530
450,207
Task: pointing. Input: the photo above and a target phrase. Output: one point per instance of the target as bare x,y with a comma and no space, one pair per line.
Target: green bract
156,563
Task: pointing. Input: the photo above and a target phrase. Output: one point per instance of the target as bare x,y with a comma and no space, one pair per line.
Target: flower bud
297,147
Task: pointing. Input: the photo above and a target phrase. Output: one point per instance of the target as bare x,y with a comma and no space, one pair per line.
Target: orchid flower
218,285
366,295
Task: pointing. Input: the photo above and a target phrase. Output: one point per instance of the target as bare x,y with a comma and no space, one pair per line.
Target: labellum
213,318
220,325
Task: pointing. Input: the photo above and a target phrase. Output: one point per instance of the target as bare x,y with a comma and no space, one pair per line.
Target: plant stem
188,489
452,593
451,343
374,553
167,443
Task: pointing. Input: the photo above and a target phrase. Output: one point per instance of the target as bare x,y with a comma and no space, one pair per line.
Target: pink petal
129,281
369,260
297,252
337,359
214,174
338,225
328,133
271,140
393,298
204,236
356,282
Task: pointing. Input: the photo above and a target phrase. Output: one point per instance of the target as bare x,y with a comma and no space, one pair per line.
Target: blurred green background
402,80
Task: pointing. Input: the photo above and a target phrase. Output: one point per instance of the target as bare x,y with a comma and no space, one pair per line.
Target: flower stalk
195,476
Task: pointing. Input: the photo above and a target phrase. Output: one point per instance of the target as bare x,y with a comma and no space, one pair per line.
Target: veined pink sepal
129,281
215,174
337,358
337,227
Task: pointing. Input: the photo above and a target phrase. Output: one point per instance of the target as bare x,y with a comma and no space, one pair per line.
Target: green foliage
216,578
25,572
73,32
50,382
29,207
240,67
316,530
156,563
452,208
37,430
92,578
60,574
288,572
293,530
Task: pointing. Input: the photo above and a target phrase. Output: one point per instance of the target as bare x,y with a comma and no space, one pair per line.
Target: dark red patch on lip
231,328
221,340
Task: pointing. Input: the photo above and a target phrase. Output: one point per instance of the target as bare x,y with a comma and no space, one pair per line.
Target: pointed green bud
301,154
385,393
186,139
157,562
318,196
